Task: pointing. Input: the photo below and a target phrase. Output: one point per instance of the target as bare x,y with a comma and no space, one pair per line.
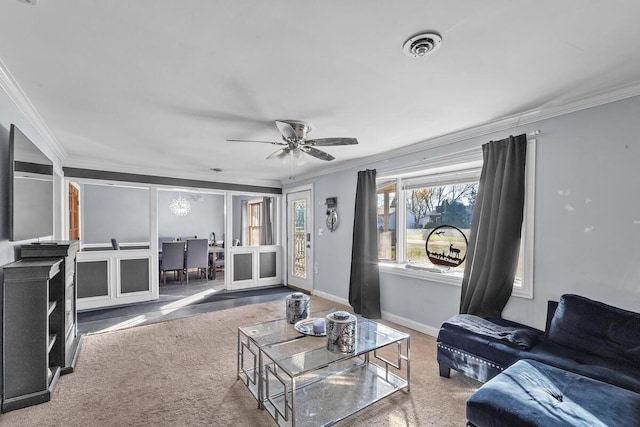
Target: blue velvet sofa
582,336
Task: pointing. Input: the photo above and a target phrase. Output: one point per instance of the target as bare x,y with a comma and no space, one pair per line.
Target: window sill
432,274
453,278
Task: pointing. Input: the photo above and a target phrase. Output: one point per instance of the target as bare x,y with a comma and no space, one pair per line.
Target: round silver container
341,332
298,306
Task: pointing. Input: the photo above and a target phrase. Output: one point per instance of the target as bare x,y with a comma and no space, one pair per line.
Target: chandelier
180,206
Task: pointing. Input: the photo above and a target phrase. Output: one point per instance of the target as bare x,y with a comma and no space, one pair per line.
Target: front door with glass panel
300,256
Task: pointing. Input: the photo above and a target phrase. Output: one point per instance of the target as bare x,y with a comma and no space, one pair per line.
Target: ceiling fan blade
278,153
286,130
324,142
251,140
318,154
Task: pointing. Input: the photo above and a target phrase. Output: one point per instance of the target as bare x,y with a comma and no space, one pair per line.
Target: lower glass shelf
329,399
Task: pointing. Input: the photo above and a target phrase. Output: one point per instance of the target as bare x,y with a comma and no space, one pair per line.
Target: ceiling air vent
422,45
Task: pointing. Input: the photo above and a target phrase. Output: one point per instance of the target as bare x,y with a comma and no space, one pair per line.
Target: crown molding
158,172
28,111
567,106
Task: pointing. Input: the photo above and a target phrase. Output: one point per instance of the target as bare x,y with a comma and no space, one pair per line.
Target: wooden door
74,212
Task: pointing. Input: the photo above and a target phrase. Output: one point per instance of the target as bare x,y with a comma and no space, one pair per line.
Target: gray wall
205,216
587,220
111,211
123,213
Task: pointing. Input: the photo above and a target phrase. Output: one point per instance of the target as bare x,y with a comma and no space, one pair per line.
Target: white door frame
285,230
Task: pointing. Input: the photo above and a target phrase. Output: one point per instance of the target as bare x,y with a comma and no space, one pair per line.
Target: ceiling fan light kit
422,44
295,142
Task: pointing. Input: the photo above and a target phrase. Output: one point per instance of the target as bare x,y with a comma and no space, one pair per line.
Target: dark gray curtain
266,231
364,286
494,241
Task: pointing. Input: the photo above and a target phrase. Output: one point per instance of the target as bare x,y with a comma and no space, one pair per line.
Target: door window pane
299,241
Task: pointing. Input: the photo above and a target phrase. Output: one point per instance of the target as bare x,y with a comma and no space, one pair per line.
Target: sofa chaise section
583,336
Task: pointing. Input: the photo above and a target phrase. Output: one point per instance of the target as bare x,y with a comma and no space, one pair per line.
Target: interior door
300,249
74,212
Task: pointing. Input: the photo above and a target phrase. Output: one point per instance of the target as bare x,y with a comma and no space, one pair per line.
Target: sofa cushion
514,334
625,374
529,393
596,328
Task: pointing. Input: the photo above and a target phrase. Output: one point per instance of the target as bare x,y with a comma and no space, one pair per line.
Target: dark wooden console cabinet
39,331
65,250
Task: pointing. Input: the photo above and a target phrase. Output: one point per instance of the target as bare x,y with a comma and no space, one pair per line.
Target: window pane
387,222
255,223
430,207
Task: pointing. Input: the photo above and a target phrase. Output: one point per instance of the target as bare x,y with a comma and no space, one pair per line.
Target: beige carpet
183,373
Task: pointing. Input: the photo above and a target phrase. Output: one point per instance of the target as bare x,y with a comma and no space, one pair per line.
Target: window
387,221
441,192
255,223
433,206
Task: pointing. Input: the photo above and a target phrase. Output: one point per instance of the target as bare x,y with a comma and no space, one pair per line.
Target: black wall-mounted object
30,189
332,214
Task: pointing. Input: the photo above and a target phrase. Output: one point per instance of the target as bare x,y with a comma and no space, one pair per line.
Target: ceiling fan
295,142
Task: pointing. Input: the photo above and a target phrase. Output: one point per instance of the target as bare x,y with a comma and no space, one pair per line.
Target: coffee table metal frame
251,339
299,382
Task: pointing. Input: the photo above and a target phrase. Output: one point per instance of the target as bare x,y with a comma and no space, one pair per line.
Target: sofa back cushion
597,328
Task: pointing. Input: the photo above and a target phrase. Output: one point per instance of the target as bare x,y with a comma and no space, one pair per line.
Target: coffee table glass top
276,331
310,353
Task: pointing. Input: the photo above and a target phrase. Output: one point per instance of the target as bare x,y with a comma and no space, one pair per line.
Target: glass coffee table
300,383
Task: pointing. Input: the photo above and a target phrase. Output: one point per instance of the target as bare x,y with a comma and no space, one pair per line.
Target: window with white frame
255,222
412,202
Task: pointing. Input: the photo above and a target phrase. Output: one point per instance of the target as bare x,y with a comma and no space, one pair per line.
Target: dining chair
114,244
172,259
197,256
161,240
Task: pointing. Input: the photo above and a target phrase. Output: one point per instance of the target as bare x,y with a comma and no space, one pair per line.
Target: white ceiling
157,86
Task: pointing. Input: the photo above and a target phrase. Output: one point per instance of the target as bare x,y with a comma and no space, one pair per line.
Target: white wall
587,221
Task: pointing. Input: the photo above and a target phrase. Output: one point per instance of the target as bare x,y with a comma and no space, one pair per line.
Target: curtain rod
382,173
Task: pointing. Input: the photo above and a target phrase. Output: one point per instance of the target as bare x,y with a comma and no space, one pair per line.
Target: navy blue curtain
494,241
364,285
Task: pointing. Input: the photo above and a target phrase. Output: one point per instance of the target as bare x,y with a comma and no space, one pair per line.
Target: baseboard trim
331,297
411,324
403,321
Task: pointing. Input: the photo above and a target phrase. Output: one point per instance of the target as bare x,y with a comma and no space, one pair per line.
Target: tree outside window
430,207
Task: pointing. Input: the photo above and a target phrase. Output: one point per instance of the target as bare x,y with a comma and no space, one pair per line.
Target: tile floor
176,301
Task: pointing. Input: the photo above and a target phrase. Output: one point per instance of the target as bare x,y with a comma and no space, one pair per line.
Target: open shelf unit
32,322
65,297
